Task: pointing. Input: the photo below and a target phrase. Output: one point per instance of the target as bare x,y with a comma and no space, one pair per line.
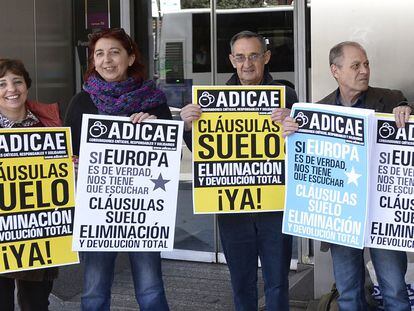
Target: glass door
182,59
184,56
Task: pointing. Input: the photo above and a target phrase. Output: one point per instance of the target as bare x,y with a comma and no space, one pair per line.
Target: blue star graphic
159,182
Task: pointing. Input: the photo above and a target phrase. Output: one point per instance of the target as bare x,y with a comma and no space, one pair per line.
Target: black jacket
378,99
82,103
291,98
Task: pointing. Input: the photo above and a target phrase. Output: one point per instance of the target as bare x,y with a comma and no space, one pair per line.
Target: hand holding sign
402,115
279,114
290,126
190,113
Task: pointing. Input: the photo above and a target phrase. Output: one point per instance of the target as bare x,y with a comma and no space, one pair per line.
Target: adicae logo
97,129
302,119
386,130
206,99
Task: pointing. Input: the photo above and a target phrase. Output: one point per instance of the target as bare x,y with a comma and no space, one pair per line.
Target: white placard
127,185
391,214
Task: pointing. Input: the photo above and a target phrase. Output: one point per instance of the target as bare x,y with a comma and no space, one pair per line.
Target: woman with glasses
16,111
115,85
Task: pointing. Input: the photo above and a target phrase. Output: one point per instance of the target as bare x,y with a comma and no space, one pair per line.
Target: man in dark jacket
350,67
245,237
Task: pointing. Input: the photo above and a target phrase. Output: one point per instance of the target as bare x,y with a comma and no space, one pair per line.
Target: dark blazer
378,99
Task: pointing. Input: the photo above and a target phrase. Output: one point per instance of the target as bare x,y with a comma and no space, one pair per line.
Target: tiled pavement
190,286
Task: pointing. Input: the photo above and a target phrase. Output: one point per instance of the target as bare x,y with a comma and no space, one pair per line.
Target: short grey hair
248,34
338,51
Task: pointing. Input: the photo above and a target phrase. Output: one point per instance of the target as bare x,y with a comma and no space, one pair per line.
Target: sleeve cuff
406,103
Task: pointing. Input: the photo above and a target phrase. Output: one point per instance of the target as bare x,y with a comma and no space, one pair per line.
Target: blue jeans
245,237
99,276
390,268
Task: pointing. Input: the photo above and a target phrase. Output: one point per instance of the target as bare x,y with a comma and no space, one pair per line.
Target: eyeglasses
240,58
95,36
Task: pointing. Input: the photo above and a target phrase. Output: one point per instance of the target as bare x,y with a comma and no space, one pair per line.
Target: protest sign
391,215
327,184
36,198
238,152
127,188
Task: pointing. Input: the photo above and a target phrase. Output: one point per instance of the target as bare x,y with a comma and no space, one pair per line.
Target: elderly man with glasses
245,237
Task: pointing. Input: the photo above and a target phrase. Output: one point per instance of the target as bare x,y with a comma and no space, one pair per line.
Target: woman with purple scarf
115,85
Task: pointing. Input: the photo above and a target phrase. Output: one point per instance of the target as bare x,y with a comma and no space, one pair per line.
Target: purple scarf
125,97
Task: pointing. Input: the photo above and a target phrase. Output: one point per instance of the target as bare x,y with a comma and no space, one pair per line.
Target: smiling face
251,70
111,60
13,96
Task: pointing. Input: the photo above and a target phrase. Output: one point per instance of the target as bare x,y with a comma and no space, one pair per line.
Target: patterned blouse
29,121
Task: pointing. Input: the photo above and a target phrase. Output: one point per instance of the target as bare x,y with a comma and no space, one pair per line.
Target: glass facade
184,58
42,39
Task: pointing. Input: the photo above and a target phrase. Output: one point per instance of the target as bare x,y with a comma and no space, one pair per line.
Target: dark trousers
245,237
32,295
